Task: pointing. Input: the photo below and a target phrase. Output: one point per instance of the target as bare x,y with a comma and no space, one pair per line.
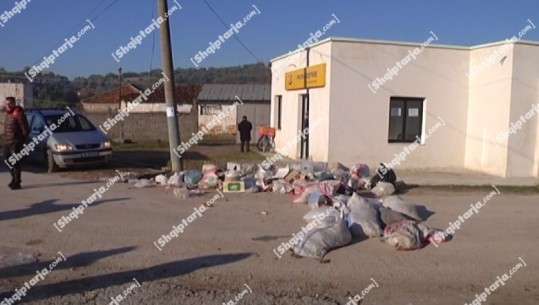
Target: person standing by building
245,127
16,132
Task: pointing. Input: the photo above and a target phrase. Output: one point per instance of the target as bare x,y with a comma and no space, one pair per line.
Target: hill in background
53,90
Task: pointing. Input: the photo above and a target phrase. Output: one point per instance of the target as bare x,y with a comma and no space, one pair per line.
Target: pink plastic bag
360,170
329,187
302,190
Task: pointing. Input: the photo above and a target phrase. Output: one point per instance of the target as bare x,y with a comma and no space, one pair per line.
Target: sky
274,28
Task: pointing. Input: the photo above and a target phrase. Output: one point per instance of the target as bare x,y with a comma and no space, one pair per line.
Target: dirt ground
150,161
226,256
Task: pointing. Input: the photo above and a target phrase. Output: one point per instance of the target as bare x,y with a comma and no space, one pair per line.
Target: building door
304,150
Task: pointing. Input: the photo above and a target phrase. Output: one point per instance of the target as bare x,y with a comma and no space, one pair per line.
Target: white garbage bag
417,212
175,179
317,242
161,179
383,189
320,213
363,220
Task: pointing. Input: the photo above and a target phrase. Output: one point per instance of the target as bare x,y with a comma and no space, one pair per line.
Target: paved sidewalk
459,177
439,177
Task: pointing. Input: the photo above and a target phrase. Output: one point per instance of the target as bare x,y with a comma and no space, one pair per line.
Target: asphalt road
226,253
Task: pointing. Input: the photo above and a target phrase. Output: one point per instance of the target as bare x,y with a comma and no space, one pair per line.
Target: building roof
402,43
111,96
185,94
228,92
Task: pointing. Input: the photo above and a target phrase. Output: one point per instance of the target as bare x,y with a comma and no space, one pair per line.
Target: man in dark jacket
245,128
15,135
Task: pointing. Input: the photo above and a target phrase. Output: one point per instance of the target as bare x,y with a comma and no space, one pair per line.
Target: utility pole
120,88
170,87
120,101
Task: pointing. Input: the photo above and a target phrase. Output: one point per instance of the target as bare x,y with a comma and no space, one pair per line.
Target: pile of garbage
340,199
342,208
392,219
299,179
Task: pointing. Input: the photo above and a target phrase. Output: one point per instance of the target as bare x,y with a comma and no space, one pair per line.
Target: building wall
257,113
227,125
140,108
360,117
145,127
100,107
471,95
523,146
22,92
156,107
488,110
286,139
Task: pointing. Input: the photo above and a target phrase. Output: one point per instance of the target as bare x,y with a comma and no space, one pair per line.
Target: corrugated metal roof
228,92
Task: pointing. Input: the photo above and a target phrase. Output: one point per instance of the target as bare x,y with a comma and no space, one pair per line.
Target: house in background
21,91
216,98
109,101
147,121
423,105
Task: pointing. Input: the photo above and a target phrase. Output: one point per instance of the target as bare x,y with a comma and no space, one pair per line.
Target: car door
37,126
30,118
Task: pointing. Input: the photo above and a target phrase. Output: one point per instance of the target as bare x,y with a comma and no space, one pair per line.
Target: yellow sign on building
309,77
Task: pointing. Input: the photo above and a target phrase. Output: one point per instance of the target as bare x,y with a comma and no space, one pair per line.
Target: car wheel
51,165
105,164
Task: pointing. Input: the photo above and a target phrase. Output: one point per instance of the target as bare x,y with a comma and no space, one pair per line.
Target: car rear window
70,123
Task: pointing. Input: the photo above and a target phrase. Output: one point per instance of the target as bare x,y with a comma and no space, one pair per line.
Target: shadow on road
34,186
163,271
149,158
48,206
78,260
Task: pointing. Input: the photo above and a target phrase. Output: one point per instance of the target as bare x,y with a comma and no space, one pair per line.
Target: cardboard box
291,176
231,166
234,187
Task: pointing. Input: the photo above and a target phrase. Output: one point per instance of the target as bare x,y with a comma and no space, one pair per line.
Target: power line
234,34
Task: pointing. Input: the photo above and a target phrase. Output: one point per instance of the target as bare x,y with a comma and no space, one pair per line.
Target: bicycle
266,142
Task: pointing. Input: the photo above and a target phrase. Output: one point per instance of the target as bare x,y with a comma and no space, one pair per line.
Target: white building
368,100
21,92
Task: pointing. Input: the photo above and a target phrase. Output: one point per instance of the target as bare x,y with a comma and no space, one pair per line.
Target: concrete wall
503,92
146,127
226,125
489,107
360,116
100,107
22,93
523,146
141,107
257,113
156,107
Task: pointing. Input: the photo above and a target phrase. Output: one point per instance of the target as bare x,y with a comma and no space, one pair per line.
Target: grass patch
225,156
206,140
214,139
139,145
220,158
